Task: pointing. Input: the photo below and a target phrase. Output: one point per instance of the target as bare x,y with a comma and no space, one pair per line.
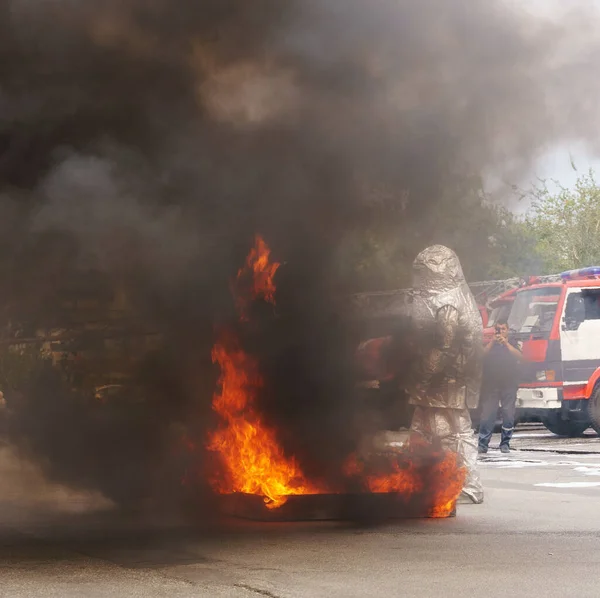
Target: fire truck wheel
558,426
594,409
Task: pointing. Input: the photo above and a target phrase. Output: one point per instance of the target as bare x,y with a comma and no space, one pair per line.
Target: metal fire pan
329,507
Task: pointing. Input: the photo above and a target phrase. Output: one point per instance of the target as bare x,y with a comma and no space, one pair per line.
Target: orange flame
262,271
402,480
450,478
252,460
441,483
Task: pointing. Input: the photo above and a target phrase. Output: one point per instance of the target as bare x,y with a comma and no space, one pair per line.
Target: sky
565,164
557,162
562,163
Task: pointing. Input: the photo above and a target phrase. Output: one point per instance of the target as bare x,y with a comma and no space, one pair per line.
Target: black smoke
148,141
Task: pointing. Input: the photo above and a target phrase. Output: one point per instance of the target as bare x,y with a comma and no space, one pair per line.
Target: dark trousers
491,398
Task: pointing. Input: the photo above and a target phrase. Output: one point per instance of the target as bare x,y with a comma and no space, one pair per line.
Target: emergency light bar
582,273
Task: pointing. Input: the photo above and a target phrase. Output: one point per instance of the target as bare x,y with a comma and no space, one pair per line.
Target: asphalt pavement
536,534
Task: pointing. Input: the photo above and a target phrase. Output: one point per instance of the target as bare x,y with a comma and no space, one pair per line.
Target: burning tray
329,507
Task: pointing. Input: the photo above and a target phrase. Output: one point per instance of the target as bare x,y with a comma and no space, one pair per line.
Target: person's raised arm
488,347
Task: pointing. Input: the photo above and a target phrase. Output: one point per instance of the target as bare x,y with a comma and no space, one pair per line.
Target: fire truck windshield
533,310
499,313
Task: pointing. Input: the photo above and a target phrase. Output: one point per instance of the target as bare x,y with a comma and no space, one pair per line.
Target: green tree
566,224
505,249
490,240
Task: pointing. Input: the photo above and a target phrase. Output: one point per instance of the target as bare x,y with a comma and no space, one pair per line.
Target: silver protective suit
447,369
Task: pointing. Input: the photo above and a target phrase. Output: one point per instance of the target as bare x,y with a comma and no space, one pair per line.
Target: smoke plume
150,140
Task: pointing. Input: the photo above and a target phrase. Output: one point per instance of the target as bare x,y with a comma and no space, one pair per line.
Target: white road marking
569,485
588,470
503,463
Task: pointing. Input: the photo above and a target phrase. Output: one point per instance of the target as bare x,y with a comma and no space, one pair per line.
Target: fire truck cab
500,305
557,326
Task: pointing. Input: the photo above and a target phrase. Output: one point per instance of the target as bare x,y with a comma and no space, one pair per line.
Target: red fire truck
557,325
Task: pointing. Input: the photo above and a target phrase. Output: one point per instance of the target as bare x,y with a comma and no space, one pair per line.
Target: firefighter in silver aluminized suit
447,371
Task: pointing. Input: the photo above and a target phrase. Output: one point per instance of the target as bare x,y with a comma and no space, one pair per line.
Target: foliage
566,224
511,250
490,240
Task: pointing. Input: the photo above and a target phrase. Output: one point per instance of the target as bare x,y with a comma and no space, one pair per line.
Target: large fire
253,462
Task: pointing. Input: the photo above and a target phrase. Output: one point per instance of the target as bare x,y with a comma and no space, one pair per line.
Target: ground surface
537,534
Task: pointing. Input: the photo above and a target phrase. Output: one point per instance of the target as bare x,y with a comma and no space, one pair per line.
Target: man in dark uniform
499,388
